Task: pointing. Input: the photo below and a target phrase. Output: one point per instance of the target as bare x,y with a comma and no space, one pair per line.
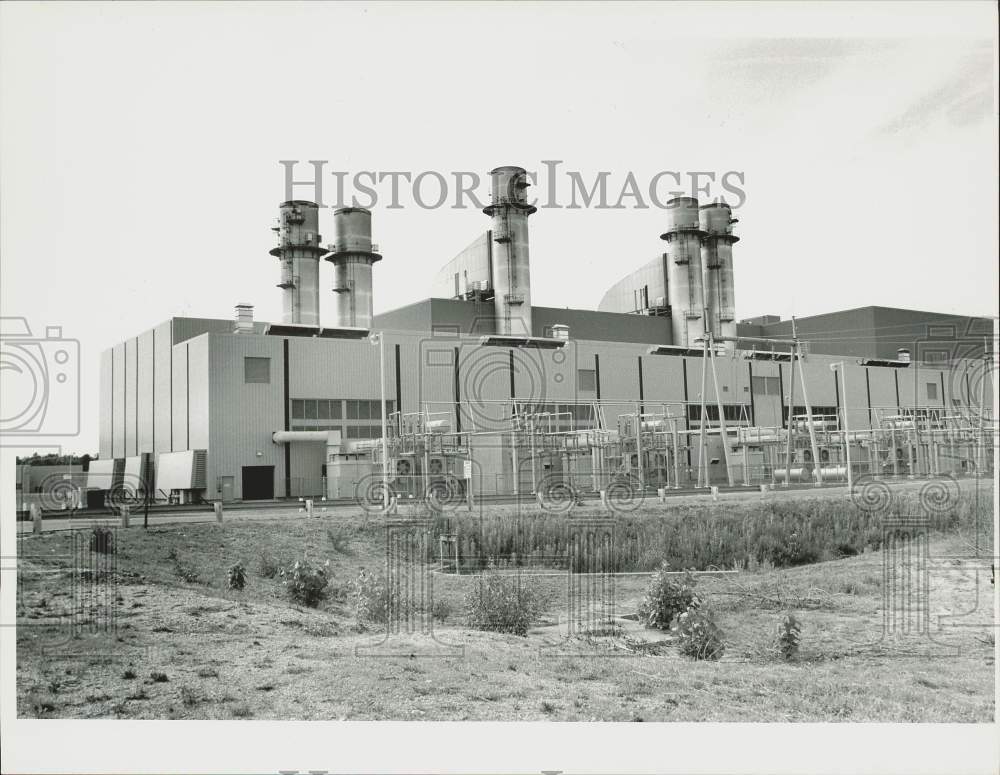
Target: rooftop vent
244,319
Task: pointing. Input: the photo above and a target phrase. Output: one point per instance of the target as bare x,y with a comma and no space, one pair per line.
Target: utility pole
809,414
722,415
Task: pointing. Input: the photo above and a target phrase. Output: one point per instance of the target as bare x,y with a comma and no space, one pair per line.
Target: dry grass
253,654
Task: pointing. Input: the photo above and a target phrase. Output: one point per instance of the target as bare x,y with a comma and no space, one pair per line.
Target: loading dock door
258,483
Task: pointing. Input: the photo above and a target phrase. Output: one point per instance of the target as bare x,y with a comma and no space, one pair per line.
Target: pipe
286,437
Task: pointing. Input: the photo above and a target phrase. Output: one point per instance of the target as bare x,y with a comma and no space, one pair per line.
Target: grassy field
186,647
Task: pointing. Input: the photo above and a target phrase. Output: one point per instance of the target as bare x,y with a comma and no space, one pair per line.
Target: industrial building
485,393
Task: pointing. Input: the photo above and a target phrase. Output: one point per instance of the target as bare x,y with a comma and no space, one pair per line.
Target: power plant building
241,409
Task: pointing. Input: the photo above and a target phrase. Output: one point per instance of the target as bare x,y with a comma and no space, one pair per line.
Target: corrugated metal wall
192,395
243,416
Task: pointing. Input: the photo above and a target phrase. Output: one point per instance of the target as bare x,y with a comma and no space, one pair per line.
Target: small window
375,407
352,410
336,411
932,391
256,370
364,410
586,379
759,385
324,409
310,407
298,411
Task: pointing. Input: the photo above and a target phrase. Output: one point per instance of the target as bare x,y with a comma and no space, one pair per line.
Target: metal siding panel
144,403
118,445
336,368
906,386
162,429
131,415
198,397
883,387
767,408
180,412
243,416
105,403
435,373
856,398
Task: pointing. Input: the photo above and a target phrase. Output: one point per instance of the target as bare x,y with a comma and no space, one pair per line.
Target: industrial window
932,392
364,431
352,409
298,411
586,379
256,370
817,411
733,412
324,409
311,410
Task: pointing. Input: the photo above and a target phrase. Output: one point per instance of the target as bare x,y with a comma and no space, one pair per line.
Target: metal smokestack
352,256
509,209
686,286
298,251
716,222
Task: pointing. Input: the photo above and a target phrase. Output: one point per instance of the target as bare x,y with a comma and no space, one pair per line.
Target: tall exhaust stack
686,286
717,221
298,251
352,255
509,210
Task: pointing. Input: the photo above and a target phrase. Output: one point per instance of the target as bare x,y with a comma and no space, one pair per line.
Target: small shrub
789,637
500,603
371,598
441,610
208,672
666,597
158,678
128,674
241,711
266,566
237,577
189,697
306,583
339,538
102,540
698,636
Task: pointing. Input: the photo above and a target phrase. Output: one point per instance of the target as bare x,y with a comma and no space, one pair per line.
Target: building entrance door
258,483
226,488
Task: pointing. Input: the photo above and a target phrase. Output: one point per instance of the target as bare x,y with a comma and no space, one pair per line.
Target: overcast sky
140,148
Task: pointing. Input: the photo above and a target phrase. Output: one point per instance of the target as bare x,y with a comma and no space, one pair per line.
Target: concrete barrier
124,514
661,493
36,518
715,493
309,507
218,511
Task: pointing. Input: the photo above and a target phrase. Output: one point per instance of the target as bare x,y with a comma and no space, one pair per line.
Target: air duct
244,319
509,210
352,256
686,286
299,251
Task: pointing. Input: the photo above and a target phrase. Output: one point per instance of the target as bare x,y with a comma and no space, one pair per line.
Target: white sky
139,147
